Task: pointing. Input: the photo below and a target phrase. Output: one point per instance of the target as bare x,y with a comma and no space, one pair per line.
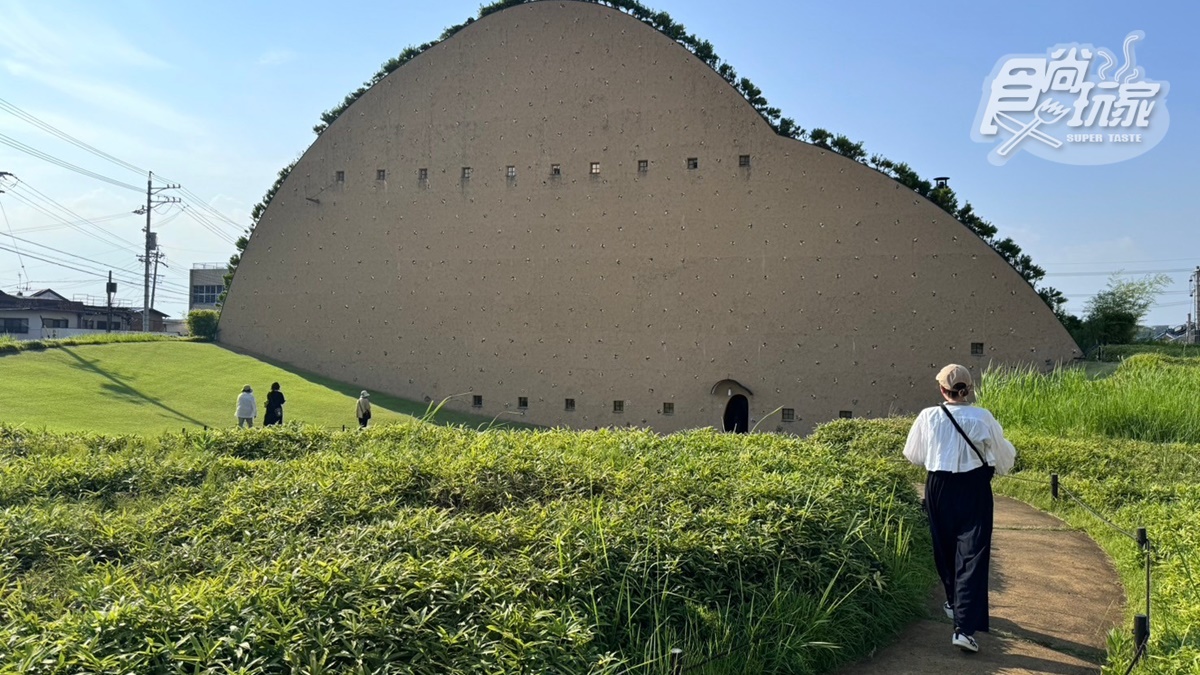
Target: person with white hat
247,408
363,409
961,447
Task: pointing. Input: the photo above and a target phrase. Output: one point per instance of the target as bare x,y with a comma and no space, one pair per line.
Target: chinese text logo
1068,106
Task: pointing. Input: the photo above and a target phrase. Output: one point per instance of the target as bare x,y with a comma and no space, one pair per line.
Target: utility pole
151,240
1194,319
110,290
158,256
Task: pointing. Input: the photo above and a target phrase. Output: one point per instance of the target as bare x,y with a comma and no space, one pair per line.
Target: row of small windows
510,171
668,407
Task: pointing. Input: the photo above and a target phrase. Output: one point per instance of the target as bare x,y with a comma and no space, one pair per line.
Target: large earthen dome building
561,212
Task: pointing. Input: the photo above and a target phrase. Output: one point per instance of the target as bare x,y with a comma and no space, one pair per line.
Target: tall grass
1150,397
422,549
1128,446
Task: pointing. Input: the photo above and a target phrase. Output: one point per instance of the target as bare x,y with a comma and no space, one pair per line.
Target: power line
1118,272
28,200
44,126
30,150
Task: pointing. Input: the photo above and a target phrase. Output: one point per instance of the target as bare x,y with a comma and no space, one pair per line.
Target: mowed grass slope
149,388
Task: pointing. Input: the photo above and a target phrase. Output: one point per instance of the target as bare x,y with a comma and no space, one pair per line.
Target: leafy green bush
427,549
202,323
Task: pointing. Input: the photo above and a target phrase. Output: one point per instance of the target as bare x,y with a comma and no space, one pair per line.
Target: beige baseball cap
954,374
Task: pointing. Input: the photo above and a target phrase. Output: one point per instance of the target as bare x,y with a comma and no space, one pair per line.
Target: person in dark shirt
275,401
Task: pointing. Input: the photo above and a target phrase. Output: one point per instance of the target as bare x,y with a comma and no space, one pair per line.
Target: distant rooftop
209,266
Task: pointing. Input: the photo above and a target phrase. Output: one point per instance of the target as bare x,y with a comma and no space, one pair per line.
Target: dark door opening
737,414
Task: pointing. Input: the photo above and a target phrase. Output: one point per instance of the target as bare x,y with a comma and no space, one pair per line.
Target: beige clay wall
815,282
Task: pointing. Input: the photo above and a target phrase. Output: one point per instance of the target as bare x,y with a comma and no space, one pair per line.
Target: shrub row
10,345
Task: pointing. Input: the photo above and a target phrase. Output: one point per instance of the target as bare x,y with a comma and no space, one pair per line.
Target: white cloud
277,57
111,97
67,39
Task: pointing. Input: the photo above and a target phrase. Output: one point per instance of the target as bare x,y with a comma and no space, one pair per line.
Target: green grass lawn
149,388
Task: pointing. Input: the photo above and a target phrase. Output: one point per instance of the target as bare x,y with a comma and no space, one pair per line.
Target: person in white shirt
247,408
961,447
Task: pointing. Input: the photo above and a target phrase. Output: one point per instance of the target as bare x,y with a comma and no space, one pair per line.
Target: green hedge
10,345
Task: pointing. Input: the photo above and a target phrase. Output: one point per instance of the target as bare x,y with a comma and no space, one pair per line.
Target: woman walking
247,408
363,409
961,446
274,412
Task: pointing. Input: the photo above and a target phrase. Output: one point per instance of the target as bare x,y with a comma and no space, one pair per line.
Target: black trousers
960,520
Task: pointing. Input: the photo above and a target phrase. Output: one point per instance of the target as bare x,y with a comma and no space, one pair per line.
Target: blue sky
219,95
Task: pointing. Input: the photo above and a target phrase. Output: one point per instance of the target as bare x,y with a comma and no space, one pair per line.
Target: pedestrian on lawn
961,447
274,413
363,409
247,408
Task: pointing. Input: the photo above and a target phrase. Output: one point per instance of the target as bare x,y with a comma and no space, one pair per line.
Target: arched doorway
737,414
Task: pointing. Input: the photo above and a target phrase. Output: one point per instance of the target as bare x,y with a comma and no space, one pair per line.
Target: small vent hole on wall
423,175
643,165
466,173
510,172
594,169
380,174
744,161
976,349
668,408
555,170
788,414
340,176
476,401
845,414
693,163
522,402
569,405
618,406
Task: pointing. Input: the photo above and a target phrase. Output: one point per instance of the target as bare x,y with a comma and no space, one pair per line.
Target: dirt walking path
1054,597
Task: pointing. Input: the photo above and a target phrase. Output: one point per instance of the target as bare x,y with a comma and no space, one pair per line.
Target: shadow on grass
393,403
118,387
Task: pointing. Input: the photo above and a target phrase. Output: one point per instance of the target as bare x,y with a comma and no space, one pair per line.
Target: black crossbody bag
992,469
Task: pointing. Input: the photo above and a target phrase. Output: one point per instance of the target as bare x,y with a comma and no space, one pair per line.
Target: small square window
845,414
466,173
618,406
555,169
789,414
522,402
668,408
595,169
476,401
380,174
510,171
569,405
743,160
422,175
643,165
340,176
693,163
976,349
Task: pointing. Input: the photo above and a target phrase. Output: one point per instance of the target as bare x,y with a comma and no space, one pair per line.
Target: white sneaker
964,642
948,610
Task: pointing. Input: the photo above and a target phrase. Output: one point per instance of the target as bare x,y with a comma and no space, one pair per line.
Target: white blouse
934,443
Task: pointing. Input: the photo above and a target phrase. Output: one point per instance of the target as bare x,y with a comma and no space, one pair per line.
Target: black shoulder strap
963,433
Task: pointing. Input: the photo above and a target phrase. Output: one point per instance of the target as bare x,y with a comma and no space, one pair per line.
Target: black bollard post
1054,486
676,661
1141,630
343,427
1144,542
